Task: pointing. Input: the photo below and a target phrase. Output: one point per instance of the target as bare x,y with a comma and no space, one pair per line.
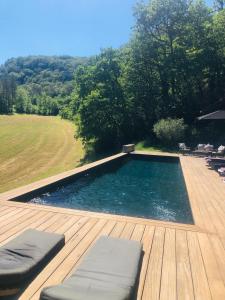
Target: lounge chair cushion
182,146
109,271
201,147
221,149
209,147
22,256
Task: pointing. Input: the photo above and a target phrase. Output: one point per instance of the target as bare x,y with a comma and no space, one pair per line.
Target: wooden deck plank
168,281
219,254
213,274
147,245
153,275
184,276
200,281
127,231
118,229
12,228
42,219
138,232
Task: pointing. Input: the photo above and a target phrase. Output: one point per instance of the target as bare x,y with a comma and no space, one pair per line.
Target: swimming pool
133,186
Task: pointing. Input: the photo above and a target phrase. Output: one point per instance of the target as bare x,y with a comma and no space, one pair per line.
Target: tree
172,60
170,131
38,75
219,4
23,102
7,94
47,106
99,101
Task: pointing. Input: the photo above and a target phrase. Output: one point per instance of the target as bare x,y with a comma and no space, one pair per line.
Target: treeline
44,82
172,68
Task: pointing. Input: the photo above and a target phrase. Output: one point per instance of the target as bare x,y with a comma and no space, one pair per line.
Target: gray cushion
109,271
22,256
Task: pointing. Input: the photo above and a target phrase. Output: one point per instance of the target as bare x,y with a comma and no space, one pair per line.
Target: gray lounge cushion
108,272
22,256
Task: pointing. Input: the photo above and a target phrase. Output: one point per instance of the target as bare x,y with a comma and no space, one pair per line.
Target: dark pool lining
51,187
100,168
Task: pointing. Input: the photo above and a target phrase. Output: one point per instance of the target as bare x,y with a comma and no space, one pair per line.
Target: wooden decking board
106,216
127,231
212,204
200,281
184,276
219,254
147,239
154,270
213,273
138,232
180,261
168,288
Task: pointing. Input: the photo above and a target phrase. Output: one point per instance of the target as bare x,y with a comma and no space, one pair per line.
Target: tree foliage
7,94
43,79
99,101
170,131
173,67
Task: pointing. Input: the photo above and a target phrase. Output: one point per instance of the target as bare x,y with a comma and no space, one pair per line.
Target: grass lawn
34,147
146,146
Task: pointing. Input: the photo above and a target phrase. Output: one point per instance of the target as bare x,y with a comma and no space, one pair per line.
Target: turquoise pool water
135,187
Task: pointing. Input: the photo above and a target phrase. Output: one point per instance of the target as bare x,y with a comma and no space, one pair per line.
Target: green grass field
34,147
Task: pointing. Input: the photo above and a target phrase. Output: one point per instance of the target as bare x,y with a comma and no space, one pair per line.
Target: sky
63,27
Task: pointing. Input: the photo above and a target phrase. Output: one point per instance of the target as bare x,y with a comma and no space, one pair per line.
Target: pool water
135,187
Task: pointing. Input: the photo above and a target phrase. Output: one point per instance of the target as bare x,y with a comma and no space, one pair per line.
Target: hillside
43,74
35,147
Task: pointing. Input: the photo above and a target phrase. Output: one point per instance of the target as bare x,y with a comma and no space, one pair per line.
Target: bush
170,131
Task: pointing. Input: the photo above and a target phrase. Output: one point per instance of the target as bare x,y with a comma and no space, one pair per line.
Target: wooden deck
180,261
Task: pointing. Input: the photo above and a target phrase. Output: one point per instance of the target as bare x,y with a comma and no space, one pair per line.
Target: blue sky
58,27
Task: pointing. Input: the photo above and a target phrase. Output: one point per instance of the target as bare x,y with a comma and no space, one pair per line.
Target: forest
42,83
171,71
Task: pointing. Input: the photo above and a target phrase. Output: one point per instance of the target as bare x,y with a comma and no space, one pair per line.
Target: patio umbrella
216,115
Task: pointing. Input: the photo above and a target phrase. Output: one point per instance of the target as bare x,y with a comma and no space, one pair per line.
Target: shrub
170,131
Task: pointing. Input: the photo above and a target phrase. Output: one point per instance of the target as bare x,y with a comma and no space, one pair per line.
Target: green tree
170,131
7,94
47,105
22,101
219,4
102,114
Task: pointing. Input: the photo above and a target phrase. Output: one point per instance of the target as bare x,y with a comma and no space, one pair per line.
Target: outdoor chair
221,171
220,151
108,272
203,150
184,149
23,256
215,163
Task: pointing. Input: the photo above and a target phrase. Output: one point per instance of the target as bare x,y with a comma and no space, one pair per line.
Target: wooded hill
41,80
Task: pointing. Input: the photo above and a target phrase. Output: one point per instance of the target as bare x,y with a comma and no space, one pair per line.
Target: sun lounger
220,151
108,272
221,171
203,150
215,163
24,255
